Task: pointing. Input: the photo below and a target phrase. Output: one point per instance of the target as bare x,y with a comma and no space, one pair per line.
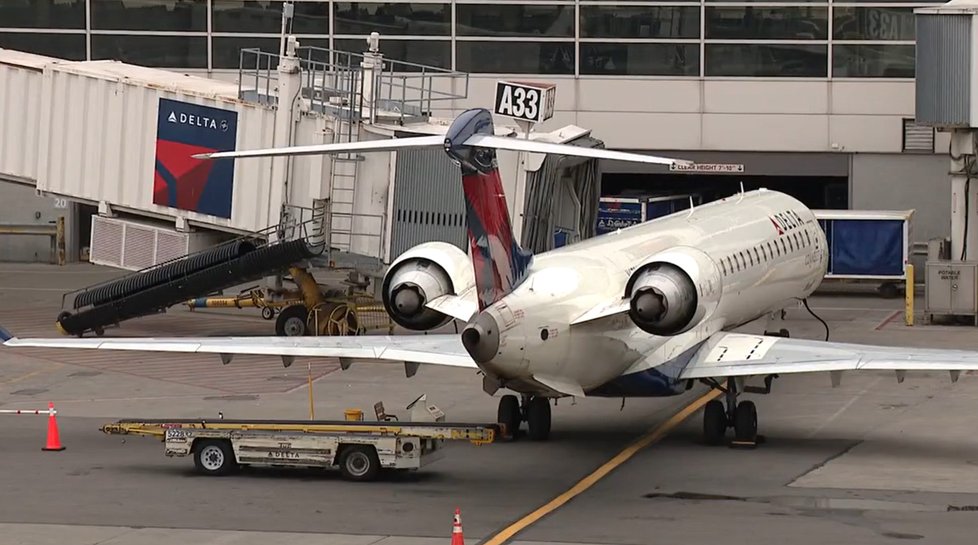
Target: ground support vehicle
360,449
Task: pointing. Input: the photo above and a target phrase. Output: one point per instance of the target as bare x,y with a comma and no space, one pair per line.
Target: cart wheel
291,322
359,463
214,457
343,320
267,313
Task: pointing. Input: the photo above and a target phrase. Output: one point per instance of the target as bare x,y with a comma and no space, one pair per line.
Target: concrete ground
871,461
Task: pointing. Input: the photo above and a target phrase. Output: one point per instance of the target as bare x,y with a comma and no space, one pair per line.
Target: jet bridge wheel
291,322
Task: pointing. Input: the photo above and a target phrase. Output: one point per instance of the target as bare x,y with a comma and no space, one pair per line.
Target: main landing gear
742,417
534,410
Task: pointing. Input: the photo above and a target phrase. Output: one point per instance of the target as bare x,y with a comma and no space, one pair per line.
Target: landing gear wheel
509,415
745,422
538,418
267,313
291,322
359,463
214,457
714,423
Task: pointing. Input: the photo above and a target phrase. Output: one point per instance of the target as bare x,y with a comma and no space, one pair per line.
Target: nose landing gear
533,410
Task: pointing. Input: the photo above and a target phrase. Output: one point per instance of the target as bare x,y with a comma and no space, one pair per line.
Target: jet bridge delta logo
185,183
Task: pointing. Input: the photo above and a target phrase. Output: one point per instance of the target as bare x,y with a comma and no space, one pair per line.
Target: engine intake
419,276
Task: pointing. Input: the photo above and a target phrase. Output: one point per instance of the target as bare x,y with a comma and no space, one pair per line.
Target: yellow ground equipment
249,298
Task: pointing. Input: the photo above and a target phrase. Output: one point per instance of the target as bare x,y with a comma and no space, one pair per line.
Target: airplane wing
482,141
742,355
440,349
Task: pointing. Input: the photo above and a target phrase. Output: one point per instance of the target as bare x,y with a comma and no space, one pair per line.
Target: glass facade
705,38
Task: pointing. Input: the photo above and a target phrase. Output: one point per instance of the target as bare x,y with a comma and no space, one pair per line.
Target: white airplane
641,312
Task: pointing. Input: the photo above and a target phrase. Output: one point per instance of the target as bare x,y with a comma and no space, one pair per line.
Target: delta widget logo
185,183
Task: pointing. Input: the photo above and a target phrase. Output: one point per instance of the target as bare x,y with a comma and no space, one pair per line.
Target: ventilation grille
134,246
917,138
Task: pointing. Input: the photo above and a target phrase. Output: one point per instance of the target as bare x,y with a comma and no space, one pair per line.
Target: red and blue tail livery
186,183
500,263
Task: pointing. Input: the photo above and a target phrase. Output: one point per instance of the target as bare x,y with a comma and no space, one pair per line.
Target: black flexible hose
805,300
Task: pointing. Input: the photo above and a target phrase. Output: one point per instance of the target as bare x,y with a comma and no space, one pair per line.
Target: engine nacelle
421,275
673,291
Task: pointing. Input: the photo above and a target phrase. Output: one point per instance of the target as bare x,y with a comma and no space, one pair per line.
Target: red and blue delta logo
185,183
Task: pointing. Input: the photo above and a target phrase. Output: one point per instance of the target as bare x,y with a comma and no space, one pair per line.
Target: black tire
538,419
745,421
509,415
359,463
714,423
291,322
214,457
784,333
267,313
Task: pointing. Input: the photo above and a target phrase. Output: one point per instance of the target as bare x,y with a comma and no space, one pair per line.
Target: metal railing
332,83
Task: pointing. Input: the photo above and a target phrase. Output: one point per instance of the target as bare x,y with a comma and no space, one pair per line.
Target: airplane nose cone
481,338
649,305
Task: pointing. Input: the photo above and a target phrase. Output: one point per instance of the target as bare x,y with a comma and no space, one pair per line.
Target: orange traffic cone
54,440
457,537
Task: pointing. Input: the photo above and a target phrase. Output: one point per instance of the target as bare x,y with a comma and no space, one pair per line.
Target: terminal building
812,98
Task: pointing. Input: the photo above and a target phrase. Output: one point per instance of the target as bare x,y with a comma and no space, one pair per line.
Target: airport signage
708,167
617,213
526,101
184,183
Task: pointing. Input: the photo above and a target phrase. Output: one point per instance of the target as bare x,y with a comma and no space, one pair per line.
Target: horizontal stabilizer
480,141
323,149
534,146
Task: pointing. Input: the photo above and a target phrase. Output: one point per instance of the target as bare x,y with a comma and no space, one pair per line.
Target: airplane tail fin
499,262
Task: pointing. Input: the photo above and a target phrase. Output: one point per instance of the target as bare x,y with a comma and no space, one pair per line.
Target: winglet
5,335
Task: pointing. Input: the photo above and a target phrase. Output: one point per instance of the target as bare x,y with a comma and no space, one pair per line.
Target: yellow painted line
653,436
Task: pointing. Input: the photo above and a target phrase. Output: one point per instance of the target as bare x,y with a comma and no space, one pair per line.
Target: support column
289,82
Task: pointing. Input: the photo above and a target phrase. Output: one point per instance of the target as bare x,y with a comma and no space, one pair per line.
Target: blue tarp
865,247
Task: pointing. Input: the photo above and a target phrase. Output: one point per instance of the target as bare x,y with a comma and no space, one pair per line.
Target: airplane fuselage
748,255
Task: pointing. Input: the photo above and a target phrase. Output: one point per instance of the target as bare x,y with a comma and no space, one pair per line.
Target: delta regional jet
641,312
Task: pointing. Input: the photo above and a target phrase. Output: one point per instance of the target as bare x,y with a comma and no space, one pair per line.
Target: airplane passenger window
757,256
808,236
750,258
784,249
769,250
791,245
723,266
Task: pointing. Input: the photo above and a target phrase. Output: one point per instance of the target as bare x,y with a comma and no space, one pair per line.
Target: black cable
812,312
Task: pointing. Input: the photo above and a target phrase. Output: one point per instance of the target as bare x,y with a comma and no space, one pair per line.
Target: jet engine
421,275
672,292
